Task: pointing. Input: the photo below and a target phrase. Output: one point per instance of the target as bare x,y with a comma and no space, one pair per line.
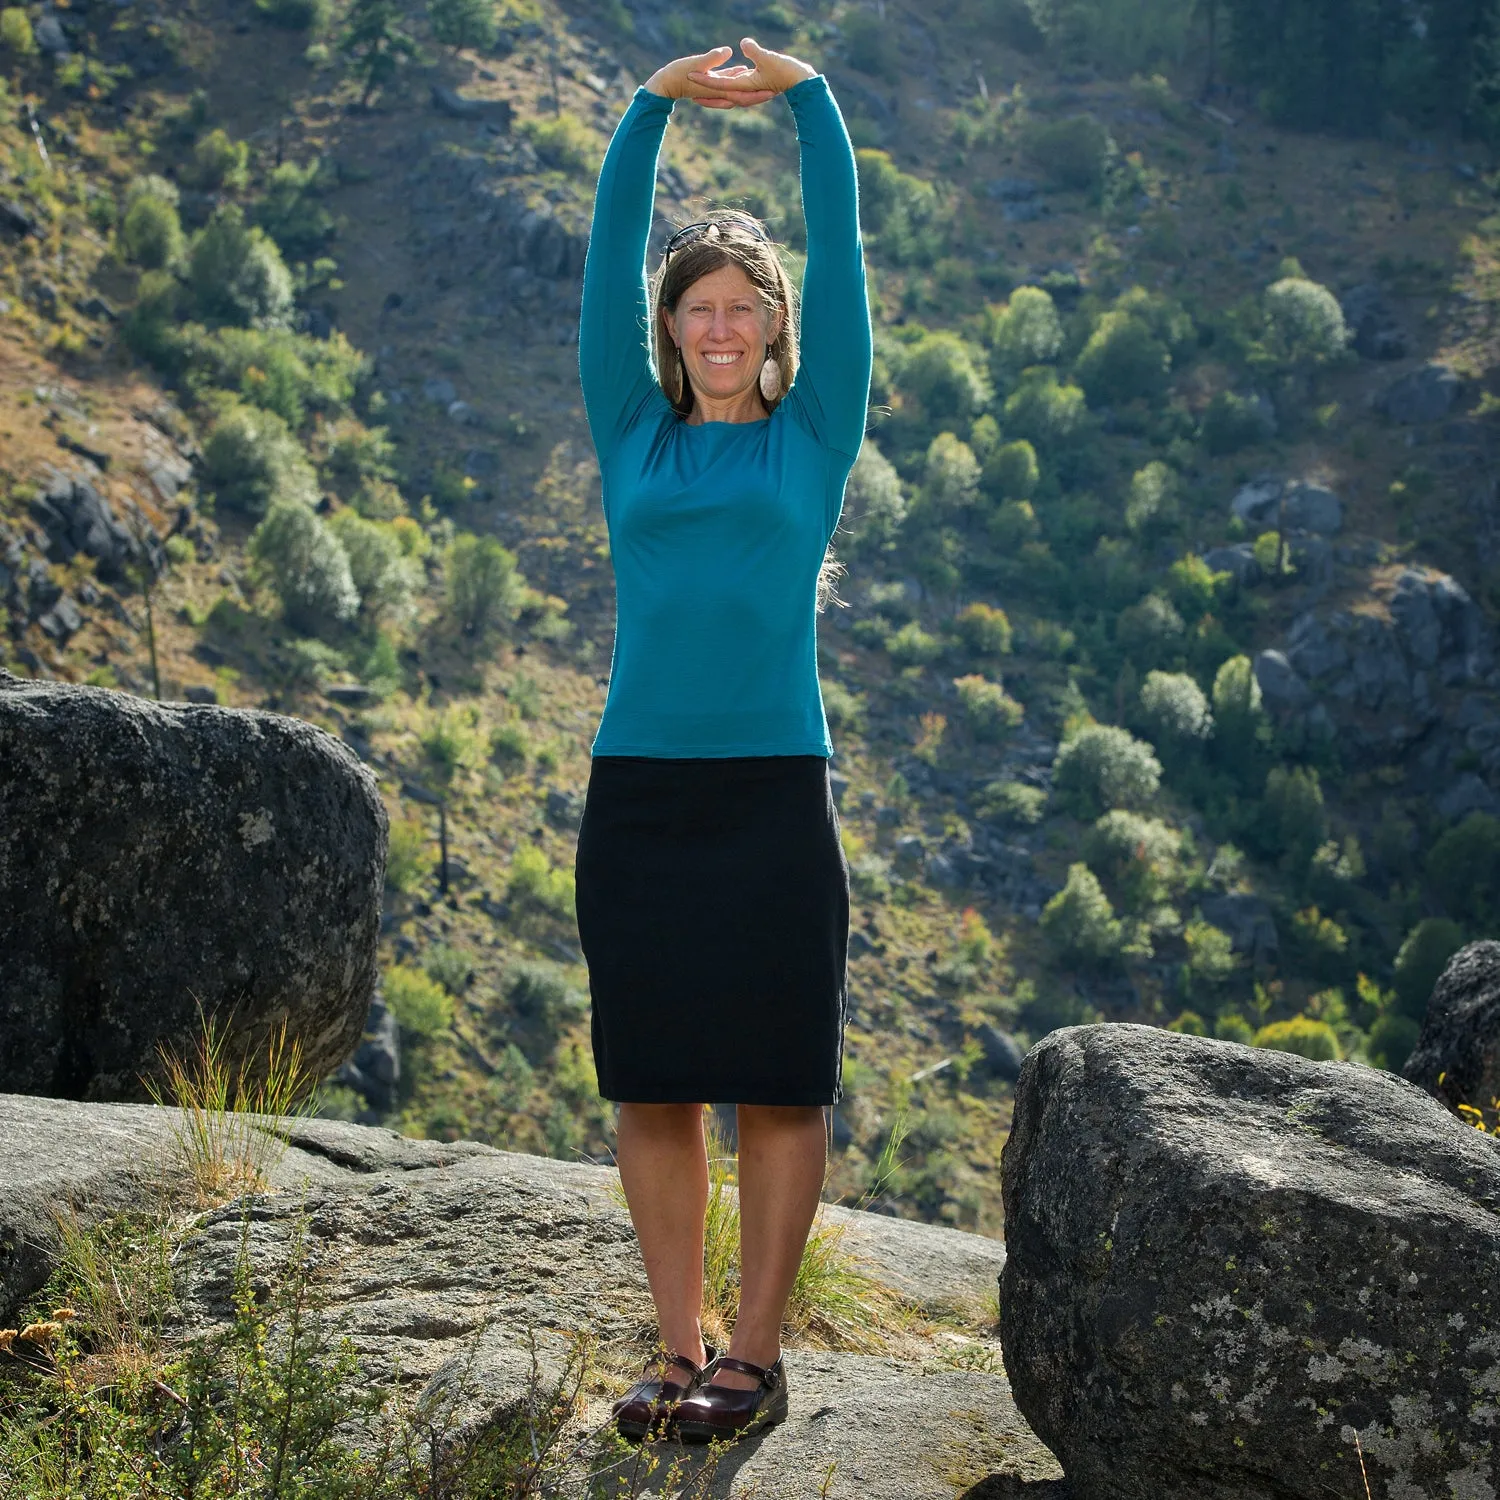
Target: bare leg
664,1170
783,1157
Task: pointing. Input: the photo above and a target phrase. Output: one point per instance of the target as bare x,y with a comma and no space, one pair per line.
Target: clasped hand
704,79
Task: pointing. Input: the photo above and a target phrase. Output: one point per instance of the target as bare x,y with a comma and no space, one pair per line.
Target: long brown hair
728,242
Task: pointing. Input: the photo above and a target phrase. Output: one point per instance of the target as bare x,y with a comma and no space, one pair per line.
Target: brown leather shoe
718,1413
646,1407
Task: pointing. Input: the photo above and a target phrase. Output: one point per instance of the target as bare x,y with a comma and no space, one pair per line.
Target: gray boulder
159,857
1002,1053
1226,1264
1279,682
1425,395
77,519
1238,560
1457,1056
1257,502
1375,331
1313,507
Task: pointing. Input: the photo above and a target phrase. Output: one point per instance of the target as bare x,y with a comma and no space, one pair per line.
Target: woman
713,896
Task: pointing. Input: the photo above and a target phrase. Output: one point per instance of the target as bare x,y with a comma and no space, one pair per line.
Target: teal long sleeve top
718,530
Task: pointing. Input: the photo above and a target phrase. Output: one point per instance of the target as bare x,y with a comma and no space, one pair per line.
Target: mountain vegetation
1182,417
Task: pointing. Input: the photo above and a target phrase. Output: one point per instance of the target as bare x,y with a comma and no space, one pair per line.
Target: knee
661,1119
777,1118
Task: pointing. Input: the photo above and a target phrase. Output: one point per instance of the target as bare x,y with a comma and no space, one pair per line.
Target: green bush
1043,412
1464,869
220,163
1318,945
1122,361
463,23
1079,922
1136,855
1194,587
1188,1023
1296,822
941,374
150,232
296,15
874,506
1101,767
1393,1038
1304,323
1175,710
236,274
1231,423
1233,1027
304,563
535,886
422,1007
451,967
1011,472
900,213
276,369
540,993
984,629
1025,332
16,35
1151,505
563,142
1013,802
510,747
410,860
1308,1038
1151,630
950,476
387,579
843,709
484,590
871,45
1118,39
1071,152
1015,525
251,461
289,211
911,646
1420,963
990,711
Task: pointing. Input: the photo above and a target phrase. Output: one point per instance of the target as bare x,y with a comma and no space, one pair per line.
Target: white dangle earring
770,377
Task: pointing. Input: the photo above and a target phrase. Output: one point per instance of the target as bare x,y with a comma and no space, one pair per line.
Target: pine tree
374,38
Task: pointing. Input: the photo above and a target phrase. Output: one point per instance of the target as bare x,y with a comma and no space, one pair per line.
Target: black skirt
713,910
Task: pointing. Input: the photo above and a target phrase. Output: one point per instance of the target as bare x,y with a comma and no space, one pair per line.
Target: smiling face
723,325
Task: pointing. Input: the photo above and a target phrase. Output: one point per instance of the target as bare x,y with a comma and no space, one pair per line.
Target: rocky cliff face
160,862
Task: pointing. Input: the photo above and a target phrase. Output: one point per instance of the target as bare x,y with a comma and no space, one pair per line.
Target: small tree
304,563
950,480
1175,711
1136,854
991,712
463,23
1151,505
251,461
1305,327
150,230
1044,412
483,587
1296,818
383,573
940,372
1122,360
1104,766
984,629
1011,472
450,742
374,39
874,505
1079,921
1025,332
236,273
1421,960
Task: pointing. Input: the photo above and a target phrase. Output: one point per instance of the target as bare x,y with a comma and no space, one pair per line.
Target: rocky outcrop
1427,394
1224,1264
1457,1056
155,858
451,1257
1295,505
1374,330
77,518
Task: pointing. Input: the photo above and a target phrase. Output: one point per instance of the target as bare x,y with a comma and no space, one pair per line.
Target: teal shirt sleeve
832,386
614,363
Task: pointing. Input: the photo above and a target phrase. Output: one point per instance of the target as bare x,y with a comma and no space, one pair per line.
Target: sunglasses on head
691,232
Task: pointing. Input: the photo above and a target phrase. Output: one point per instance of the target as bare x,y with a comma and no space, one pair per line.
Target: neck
745,407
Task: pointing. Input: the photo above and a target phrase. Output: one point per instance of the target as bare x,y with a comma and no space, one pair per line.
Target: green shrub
911,646
871,45
410,860
1296,821
940,372
950,476
451,967
1393,1038
304,563
296,15
1079,922
1318,945
874,506
1011,472
290,213
251,461
1071,152
1304,323
1122,361
1150,630
1103,766
984,629
304,665
1175,710
1015,525
386,578
1188,1023
1420,963
1025,332
236,274
1238,714
900,212
1013,802
463,23
843,709
536,887
563,142
221,163
1042,411
1194,587
540,992
16,35
1308,1038
151,233
422,1007
484,590
1233,1027
991,712
1136,855
1210,953
1151,505
1231,423
510,748
1464,869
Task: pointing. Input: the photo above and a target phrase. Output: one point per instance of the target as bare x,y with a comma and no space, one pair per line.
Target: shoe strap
744,1367
693,1369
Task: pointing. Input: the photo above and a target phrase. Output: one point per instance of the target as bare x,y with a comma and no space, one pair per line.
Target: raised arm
835,348
613,361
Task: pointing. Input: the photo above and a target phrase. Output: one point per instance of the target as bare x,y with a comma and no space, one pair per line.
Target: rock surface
1224,1263
447,1255
1425,395
155,857
1457,1056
